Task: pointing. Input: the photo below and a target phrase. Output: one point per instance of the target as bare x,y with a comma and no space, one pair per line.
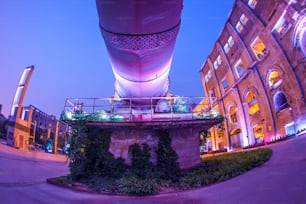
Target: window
290,129
239,27
274,79
230,41
219,60
229,44
252,103
233,115
243,19
280,101
302,39
240,68
212,92
215,64
252,3
283,27
226,48
258,133
208,76
259,48
225,84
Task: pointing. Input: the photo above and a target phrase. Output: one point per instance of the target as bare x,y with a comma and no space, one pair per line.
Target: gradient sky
61,38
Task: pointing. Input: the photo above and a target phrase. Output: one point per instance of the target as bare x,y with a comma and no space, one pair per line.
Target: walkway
280,180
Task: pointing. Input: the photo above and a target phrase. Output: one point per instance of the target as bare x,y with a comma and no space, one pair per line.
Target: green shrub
76,152
89,153
92,163
141,166
99,183
167,166
135,186
220,168
62,179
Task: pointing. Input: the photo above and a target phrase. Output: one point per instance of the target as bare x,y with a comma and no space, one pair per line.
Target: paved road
280,180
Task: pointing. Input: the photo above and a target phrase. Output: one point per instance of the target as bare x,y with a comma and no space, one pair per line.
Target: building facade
36,127
257,70
3,124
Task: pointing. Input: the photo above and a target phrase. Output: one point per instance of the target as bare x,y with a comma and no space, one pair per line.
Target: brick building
257,70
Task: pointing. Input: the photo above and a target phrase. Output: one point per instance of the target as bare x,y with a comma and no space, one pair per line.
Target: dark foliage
141,165
220,168
166,165
3,128
136,186
89,154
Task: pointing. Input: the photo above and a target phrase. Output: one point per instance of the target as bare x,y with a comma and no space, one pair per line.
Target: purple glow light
158,86
140,44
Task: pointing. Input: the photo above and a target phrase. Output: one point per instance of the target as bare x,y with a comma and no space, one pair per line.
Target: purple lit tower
140,36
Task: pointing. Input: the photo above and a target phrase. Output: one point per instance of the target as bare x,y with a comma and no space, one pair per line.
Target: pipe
140,36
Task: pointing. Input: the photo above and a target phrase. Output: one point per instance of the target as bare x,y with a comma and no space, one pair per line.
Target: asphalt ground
280,180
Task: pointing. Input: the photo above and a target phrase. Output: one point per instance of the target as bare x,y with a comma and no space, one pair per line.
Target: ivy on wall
89,153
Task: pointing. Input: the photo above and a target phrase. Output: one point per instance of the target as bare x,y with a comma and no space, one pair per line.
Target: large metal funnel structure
140,36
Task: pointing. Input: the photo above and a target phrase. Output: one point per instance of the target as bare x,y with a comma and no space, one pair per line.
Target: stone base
184,141
184,135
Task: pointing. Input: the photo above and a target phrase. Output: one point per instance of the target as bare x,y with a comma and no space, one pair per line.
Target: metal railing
140,109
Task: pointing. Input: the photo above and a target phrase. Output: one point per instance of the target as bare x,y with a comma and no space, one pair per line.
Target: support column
56,137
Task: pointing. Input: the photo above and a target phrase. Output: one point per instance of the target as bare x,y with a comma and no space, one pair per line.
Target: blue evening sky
61,38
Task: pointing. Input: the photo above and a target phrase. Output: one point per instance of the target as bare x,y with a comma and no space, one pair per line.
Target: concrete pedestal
184,135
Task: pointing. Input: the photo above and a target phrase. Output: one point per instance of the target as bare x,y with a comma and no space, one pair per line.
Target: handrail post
131,118
151,99
94,105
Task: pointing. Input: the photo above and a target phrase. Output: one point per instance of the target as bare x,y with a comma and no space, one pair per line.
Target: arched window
274,79
258,133
302,36
280,101
233,115
252,103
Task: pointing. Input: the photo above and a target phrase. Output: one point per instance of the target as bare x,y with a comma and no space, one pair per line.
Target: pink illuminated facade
140,38
257,70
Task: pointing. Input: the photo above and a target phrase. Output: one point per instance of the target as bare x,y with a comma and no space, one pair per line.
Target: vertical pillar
49,130
56,137
29,123
13,134
34,133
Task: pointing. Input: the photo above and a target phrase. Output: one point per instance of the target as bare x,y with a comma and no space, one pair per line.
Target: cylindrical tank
140,36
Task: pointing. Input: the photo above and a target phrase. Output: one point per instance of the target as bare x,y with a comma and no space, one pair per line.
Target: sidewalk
35,155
